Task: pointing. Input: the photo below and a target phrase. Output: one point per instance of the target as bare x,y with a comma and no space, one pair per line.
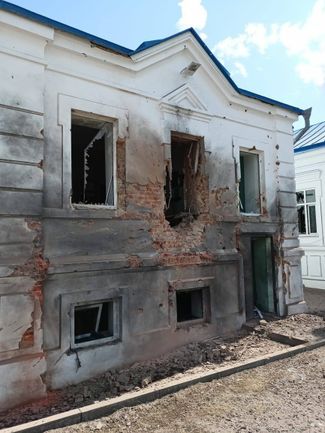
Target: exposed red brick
27,339
35,267
134,261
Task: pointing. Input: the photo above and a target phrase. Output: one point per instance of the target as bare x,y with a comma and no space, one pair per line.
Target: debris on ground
283,397
193,358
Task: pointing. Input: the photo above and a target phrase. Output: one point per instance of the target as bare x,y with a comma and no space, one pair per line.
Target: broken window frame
98,341
306,205
109,126
197,144
206,306
260,176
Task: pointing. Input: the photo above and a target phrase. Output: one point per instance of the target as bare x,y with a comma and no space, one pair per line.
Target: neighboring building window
191,305
306,205
92,162
249,185
95,322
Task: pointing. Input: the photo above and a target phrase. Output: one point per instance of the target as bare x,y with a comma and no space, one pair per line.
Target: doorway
263,274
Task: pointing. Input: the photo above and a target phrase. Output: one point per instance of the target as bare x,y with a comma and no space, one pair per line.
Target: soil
193,358
285,396
315,299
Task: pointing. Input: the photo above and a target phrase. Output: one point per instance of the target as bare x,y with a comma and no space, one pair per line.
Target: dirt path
286,396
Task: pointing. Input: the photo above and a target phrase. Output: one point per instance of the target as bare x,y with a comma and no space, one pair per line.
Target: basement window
190,305
249,185
95,322
92,161
181,178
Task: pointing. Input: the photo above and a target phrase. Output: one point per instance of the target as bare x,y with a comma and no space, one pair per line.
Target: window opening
93,322
92,162
189,305
249,185
181,176
306,207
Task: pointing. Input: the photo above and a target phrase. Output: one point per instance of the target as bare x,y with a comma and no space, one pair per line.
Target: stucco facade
124,253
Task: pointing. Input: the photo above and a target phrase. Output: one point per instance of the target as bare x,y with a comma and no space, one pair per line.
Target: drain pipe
306,115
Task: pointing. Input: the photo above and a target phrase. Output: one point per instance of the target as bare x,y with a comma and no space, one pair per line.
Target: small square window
190,305
95,322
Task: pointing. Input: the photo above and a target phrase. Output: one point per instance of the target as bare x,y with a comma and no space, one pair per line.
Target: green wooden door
263,274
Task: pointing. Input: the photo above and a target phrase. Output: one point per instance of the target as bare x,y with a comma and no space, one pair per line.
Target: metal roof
118,49
313,138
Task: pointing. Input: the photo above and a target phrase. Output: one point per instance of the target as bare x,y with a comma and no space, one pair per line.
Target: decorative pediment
185,97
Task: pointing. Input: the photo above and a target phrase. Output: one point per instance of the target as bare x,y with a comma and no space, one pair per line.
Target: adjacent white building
310,183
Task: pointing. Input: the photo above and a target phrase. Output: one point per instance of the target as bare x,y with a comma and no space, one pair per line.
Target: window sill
85,212
187,323
80,206
312,235
250,214
95,343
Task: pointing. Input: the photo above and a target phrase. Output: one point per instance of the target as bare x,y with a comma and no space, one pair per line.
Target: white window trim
87,109
305,204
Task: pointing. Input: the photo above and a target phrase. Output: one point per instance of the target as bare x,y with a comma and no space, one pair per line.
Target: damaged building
146,202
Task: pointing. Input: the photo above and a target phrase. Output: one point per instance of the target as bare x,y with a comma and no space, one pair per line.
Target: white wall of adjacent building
310,176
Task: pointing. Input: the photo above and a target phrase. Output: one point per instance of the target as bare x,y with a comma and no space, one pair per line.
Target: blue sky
275,48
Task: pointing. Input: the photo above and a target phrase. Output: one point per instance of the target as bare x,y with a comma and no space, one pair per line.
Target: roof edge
150,44
25,13
309,147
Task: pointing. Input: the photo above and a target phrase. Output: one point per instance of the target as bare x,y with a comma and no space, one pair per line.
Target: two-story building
146,202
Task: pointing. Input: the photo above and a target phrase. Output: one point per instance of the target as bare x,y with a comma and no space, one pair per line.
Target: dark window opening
181,177
249,186
93,322
92,162
189,305
263,274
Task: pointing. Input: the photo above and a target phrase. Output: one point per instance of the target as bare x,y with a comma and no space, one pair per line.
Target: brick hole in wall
183,179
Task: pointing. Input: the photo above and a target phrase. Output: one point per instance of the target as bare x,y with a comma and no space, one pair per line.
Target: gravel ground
315,299
190,359
303,326
285,396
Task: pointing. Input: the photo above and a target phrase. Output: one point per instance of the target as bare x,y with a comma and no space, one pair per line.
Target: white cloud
240,69
232,47
305,41
311,73
193,14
